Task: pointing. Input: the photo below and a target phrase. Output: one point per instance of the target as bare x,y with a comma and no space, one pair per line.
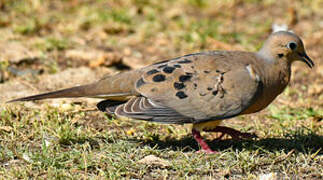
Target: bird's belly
209,125
256,107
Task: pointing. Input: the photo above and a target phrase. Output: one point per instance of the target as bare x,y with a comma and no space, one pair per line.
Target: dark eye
292,45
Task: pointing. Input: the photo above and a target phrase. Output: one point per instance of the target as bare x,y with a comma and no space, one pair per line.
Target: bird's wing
194,88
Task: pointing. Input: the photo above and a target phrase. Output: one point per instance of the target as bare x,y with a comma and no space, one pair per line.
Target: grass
59,144
64,139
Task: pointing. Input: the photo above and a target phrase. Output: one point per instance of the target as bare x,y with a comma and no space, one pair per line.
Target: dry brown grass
45,45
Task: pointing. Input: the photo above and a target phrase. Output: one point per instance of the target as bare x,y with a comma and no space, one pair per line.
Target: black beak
307,60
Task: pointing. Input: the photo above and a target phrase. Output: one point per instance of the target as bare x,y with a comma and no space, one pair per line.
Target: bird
201,89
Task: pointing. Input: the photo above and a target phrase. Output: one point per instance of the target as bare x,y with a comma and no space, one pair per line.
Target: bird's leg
235,134
205,147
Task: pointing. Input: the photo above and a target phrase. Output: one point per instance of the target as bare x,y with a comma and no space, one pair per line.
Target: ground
46,45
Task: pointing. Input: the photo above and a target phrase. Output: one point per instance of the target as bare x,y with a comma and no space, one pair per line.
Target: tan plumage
201,88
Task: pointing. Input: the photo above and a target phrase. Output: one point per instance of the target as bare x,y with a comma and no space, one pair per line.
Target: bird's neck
266,55
278,71
278,75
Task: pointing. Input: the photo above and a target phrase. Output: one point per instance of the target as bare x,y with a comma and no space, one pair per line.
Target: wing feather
134,109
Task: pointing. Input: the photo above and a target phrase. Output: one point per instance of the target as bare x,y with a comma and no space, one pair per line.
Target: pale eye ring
292,45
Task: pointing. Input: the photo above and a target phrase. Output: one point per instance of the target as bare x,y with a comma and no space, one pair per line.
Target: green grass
59,144
41,140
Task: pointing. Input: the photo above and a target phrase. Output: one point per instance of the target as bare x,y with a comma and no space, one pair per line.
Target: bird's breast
271,89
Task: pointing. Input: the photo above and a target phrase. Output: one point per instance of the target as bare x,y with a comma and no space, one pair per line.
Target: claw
235,134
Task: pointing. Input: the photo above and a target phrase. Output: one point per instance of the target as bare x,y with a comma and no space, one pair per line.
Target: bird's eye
292,45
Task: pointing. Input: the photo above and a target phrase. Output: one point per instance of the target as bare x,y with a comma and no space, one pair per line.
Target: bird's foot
205,147
235,134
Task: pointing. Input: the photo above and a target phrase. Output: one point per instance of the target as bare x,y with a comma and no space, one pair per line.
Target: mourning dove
202,88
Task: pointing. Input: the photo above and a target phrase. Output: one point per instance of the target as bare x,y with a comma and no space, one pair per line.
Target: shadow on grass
301,143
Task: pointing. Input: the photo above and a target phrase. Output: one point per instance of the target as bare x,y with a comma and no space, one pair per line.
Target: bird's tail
110,87
78,91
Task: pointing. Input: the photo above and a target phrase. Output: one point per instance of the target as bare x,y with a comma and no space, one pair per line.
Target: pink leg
235,134
205,147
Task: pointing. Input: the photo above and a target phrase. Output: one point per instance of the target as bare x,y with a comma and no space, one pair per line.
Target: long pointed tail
78,91
121,85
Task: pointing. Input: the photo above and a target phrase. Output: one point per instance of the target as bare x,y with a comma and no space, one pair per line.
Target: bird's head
285,46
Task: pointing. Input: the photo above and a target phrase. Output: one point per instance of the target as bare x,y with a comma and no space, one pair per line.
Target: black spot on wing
209,89
153,71
179,85
140,82
206,72
184,78
159,78
181,95
185,61
214,93
168,69
280,55
177,66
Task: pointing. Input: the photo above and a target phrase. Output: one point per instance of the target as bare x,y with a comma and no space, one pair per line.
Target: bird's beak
307,60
